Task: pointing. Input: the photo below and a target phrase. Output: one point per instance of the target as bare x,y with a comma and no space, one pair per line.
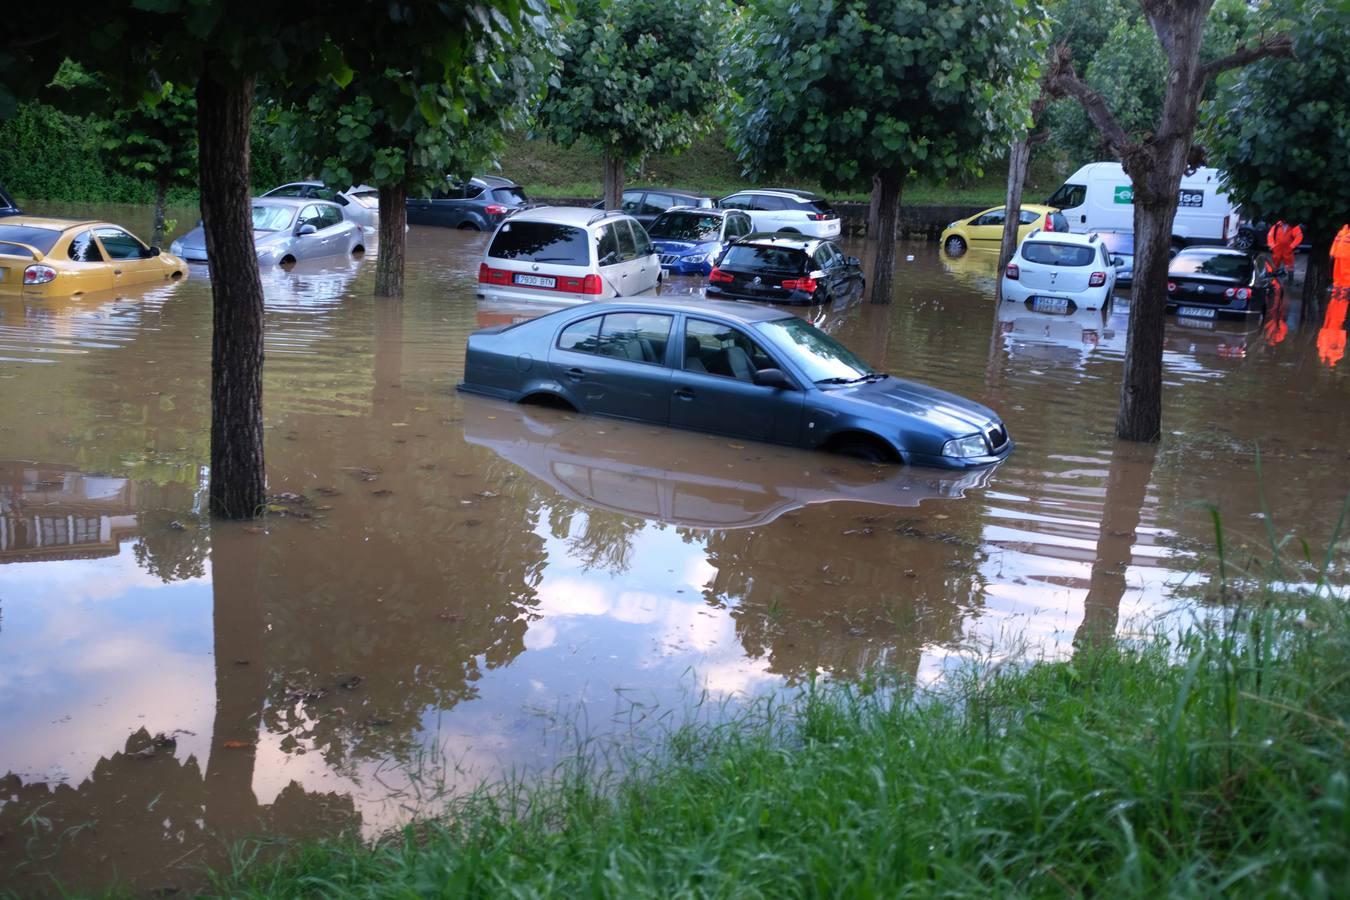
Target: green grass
1213,763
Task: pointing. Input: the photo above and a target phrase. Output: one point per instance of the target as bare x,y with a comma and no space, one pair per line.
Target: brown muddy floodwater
464,587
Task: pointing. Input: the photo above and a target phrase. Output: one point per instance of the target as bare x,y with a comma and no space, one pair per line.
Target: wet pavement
448,589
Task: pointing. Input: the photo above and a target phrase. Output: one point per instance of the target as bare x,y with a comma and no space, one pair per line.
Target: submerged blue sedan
738,369
691,240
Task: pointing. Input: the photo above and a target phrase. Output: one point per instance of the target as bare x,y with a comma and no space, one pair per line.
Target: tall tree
1280,131
1155,163
842,91
386,129
224,46
637,77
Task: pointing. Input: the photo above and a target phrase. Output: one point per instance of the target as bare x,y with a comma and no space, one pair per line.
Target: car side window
472,191
120,245
640,337
719,349
627,247
655,204
608,251
764,203
631,201
310,215
822,258
990,218
736,201
1028,217
746,226
581,337
331,216
83,248
642,240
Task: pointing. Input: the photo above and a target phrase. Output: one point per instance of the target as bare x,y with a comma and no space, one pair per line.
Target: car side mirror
854,261
154,251
1117,260
305,229
773,378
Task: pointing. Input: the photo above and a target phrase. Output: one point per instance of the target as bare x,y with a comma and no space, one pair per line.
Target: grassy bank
1215,763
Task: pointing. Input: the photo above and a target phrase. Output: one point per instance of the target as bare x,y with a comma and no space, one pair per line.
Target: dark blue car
690,241
737,369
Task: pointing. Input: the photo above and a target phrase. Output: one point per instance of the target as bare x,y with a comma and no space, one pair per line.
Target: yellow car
985,229
42,257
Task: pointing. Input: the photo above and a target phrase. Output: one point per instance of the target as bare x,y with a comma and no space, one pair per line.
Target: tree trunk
1019,158
224,112
613,181
874,209
161,188
393,240
892,182
1317,276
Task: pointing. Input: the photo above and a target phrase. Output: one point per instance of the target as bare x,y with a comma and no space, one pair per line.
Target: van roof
1108,169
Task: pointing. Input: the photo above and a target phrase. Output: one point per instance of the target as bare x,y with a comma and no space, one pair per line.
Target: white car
360,204
1057,272
796,212
564,254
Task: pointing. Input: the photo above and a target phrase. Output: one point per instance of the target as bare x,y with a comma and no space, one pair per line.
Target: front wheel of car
955,246
1244,242
864,448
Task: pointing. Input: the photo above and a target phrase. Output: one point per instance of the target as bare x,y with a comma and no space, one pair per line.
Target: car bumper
1017,292
493,293
680,267
969,462
795,298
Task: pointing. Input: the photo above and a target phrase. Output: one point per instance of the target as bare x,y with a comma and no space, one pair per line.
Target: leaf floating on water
351,683
382,492
327,491
420,408
254,529
450,617
736,446
237,745
400,424
487,495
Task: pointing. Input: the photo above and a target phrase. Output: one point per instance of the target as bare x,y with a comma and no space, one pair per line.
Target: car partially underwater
738,369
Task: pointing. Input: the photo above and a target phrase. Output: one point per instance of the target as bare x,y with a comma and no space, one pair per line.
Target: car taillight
489,275
1171,287
1237,293
807,284
718,275
1012,272
1097,279
591,285
1225,228
1049,223
496,209
483,271
38,274
819,217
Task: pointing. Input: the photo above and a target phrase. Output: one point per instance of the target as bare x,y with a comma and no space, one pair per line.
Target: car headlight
966,447
952,225
176,248
696,258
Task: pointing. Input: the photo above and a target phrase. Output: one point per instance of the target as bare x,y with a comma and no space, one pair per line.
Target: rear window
686,226
1118,242
541,242
1224,265
766,259
821,206
41,238
1048,254
511,196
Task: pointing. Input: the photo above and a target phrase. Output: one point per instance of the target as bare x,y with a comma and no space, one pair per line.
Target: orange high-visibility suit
1282,239
1331,339
1340,261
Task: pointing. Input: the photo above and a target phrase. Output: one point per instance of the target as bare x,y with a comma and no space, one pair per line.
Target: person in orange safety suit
1282,239
1340,262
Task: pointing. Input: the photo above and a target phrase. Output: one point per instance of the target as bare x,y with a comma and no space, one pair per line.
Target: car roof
1214,251
49,222
493,181
779,239
678,192
1063,237
742,312
291,201
705,210
791,192
580,216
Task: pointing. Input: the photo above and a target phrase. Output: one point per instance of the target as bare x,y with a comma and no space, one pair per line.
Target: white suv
796,212
568,255
1053,271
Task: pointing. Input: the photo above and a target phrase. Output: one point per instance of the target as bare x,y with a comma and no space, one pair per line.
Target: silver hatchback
286,231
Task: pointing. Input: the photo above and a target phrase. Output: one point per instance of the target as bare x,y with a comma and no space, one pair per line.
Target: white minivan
565,254
1100,197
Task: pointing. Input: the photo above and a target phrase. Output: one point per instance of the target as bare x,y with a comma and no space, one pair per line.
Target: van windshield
541,242
1068,196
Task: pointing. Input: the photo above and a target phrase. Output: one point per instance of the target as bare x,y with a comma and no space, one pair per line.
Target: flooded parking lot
447,589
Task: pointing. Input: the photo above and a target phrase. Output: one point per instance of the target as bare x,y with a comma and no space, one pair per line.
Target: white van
1100,197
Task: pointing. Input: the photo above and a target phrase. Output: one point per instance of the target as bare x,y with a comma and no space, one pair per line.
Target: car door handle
575,374
685,393
117,271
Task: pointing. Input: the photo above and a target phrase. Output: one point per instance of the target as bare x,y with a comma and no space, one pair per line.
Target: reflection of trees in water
171,546
847,602
595,538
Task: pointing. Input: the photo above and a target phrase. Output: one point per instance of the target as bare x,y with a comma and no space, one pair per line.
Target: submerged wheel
955,246
864,448
1244,242
468,226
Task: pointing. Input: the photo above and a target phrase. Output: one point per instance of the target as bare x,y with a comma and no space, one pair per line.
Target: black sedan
478,205
737,369
1205,282
782,268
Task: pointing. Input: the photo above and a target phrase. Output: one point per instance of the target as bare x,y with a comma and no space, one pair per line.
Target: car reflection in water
697,481
1068,338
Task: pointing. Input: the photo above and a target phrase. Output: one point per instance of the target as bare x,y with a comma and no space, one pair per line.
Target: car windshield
1048,254
43,239
819,356
1218,265
1119,242
685,226
272,218
541,242
758,258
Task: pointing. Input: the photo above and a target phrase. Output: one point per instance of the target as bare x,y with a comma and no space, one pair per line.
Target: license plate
831,227
1198,312
1202,324
534,280
1050,304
